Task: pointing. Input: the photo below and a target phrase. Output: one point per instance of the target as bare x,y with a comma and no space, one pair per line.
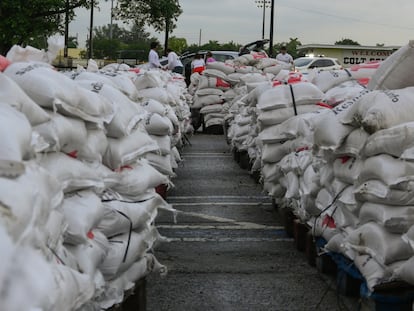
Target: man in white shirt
283,56
153,58
174,63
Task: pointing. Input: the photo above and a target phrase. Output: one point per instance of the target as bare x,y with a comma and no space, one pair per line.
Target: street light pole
263,4
112,8
91,32
272,15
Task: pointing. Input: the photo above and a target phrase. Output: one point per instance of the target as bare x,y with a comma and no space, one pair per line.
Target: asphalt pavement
228,249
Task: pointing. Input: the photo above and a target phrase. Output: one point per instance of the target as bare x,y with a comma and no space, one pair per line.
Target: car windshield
300,62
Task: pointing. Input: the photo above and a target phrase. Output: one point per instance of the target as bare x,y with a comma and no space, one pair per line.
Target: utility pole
110,29
65,50
272,15
199,38
263,4
91,32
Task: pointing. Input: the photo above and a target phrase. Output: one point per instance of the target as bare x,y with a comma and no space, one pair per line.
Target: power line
344,17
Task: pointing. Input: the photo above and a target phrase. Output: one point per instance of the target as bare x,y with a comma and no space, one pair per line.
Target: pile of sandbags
80,160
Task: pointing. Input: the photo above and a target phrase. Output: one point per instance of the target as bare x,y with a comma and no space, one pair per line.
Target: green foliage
213,45
346,42
30,22
177,44
160,14
126,43
291,47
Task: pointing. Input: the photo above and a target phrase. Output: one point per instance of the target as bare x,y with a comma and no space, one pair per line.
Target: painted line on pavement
244,224
218,197
219,203
218,227
227,239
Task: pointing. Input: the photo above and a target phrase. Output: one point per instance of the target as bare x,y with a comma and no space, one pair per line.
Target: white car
305,64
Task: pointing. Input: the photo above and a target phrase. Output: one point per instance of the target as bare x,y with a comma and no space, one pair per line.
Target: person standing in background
209,57
283,56
198,64
153,58
174,63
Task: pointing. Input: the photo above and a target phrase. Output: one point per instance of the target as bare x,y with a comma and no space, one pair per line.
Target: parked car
304,64
217,55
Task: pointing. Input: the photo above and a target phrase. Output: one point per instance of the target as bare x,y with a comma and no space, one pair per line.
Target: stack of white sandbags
79,160
366,144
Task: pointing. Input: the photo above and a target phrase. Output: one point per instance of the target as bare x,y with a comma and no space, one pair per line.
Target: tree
27,22
177,44
346,42
160,14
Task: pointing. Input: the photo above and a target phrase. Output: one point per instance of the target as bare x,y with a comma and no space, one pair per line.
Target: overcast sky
319,21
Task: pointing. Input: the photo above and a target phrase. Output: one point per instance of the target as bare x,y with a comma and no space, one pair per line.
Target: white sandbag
389,170
62,133
215,108
372,239
347,169
126,249
274,152
282,96
274,190
393,141
94,147
91,253
121,217
277,116
373,272
266,62
341,92
27,200
395,219
246,69
158,93
214,73
123,82
26,289
148,79
396,71
223,67
300,125
253,78
408,237
405,271
161,163
271,172
83,211
138,178
93,76
209,91
98,109
205,82
214,121
164,143
205,100
327,79
376,191
156,124
53,90
353,144
330,132
127,150
127,113
70,291
364,70
16,133
11,93
71,173
154,106
382,109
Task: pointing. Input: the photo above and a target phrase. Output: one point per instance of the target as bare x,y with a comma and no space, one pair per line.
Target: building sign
353,57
